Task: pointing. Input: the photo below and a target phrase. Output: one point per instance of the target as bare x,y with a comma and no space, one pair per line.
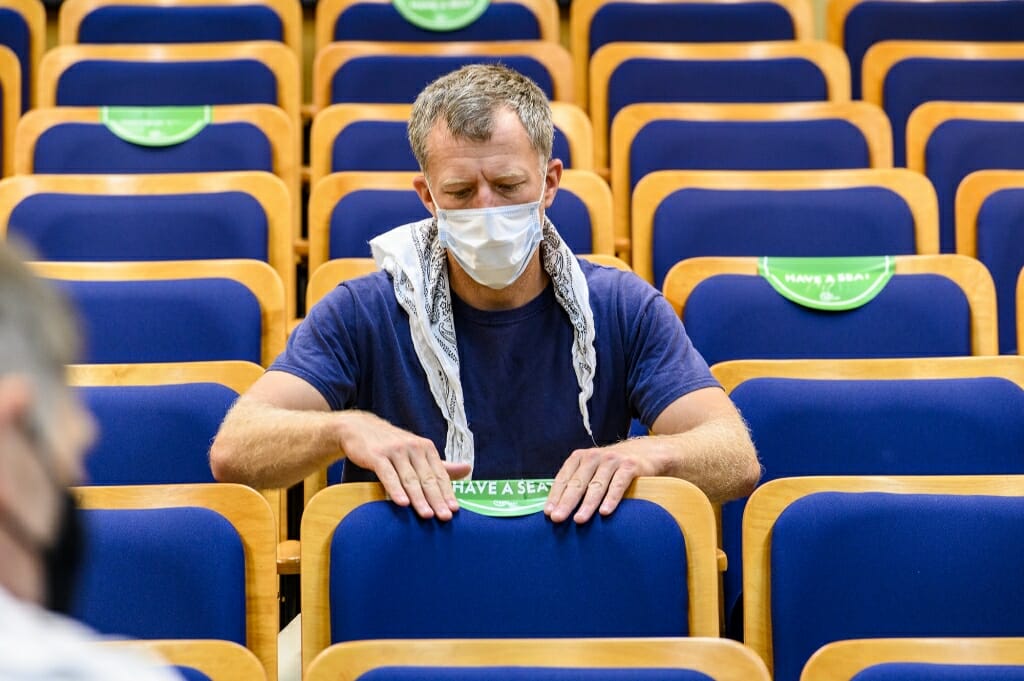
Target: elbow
751,474
224,460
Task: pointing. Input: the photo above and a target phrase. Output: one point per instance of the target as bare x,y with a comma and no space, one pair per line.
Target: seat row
947,142
677,215
854,25
603,659
826,559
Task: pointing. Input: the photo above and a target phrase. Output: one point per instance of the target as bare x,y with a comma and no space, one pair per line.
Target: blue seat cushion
535,578
873,565
162,573
153,24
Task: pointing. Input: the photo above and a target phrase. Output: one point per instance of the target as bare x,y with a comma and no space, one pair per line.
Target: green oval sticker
502,498
828,283
155,126
441,15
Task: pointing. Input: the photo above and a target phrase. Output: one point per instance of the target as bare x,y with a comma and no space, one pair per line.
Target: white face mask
493,245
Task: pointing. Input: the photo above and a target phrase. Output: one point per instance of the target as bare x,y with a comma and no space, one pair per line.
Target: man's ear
552,178
419,183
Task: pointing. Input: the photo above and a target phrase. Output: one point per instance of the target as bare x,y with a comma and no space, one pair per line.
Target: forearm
266,446
717,456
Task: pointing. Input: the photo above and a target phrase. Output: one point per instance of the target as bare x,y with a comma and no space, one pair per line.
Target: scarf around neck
416,260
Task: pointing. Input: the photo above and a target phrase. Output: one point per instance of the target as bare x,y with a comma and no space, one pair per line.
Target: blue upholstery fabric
560,148
1001,249
364,214
398,79
746,145
873,21
125,83
689,22
572,220
154,434
641,80
796,223
742,317
394,575
384,145
957,148
162,573
373,145
529,674
92,148
191,674
950,426
875,565
381,21
166,320
913,82
14,33
152,24
154,227
920,671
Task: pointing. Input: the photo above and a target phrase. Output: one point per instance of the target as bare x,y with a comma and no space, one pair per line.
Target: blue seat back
875,565
94,227
382,22
746,145
913,82
801,427
689,22
397,79
126,24
16,35
852,221
154,434
183,83
191,673
1001,248
529,674
785,79
92,148
534,579
364,214
872,21
958,147
932,671
162,573
166,320
742,317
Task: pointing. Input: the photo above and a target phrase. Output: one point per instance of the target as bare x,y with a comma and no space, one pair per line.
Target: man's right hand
407,465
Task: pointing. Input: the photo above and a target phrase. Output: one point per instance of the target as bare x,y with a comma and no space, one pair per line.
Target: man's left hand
598,477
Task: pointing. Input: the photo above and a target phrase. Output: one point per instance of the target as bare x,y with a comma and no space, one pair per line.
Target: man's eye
509,187
460,194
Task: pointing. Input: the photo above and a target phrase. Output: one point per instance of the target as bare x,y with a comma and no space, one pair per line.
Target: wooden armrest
723,560
288,557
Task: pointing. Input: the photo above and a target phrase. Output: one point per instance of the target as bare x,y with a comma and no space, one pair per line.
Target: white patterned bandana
414,257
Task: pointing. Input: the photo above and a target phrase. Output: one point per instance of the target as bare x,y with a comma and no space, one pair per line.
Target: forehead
508,151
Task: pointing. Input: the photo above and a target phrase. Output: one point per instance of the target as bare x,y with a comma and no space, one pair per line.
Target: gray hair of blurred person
38,333
466,100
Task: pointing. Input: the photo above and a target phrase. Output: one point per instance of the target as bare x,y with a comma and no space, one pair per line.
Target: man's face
504,170
36,464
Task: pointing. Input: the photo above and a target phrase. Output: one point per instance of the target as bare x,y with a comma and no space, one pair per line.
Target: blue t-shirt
518,382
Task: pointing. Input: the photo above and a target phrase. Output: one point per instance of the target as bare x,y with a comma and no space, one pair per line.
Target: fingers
593,480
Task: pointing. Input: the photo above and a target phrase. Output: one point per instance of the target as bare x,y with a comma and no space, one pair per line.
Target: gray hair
38,332
466,100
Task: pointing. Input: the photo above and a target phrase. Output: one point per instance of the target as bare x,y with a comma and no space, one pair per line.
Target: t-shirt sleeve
322,351
663,363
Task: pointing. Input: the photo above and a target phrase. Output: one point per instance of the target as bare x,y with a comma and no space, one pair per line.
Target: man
44,432
486,341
